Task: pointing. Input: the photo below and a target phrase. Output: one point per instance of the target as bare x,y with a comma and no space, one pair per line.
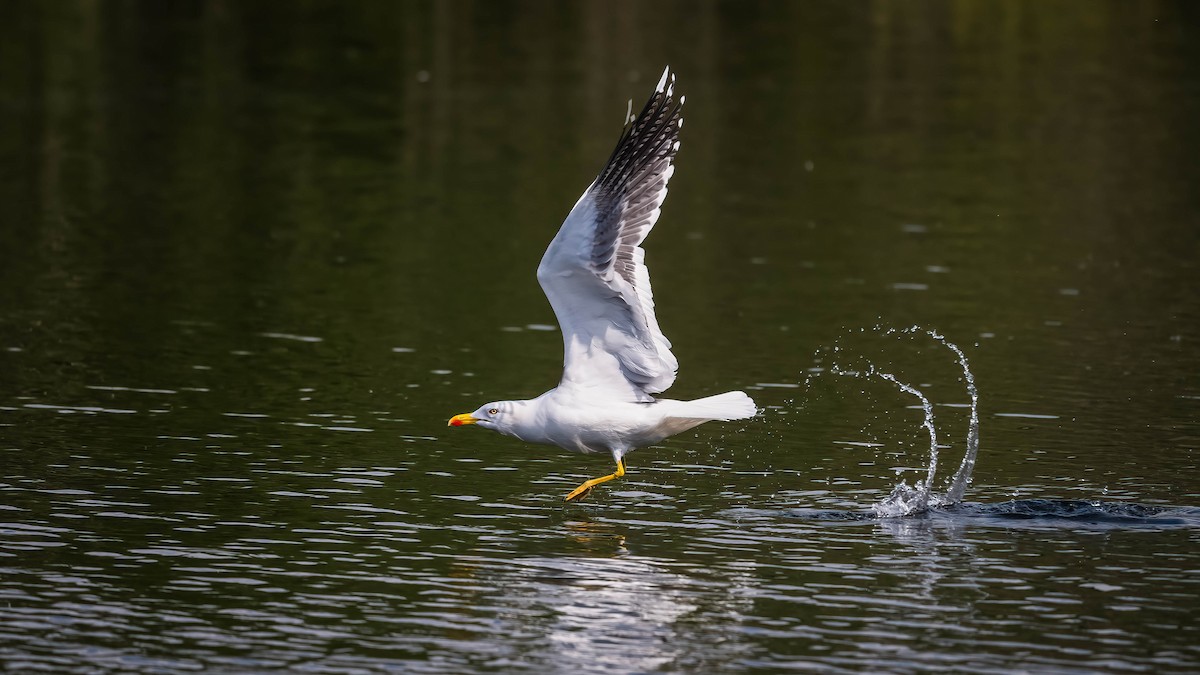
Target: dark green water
254,255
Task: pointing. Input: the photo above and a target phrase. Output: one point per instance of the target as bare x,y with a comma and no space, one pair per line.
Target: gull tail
732,405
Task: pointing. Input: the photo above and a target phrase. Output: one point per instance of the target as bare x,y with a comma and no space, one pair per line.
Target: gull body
597,425
615,355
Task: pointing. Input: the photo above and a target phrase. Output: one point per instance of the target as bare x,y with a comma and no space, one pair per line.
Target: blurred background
386,175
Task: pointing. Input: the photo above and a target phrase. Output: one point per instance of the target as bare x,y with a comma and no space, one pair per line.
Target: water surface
253,257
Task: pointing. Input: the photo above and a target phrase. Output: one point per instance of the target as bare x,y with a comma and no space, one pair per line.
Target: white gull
615,355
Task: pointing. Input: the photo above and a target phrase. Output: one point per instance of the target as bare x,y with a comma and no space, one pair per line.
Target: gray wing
594,273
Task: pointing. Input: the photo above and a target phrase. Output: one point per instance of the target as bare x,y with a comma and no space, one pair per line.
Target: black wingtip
667,82
649,139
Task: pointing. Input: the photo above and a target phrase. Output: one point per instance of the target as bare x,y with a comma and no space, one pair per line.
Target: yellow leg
583,490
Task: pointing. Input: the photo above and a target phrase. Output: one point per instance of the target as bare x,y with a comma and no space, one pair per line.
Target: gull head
498,416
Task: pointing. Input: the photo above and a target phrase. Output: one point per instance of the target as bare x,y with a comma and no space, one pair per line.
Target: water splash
937,509
908,499
1051,514
958,486
905,498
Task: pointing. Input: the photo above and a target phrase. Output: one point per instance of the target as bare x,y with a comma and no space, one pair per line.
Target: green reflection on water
180,179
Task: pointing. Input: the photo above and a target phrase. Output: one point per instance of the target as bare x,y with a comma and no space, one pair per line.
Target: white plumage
594,274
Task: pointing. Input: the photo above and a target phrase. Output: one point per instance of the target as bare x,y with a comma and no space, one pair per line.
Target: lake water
254,256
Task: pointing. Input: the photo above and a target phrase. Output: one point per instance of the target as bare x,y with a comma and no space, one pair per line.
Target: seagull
594,275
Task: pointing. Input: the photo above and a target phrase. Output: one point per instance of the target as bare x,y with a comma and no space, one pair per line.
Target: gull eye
494,411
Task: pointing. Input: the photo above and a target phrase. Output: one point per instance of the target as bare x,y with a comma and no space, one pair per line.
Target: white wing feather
594,273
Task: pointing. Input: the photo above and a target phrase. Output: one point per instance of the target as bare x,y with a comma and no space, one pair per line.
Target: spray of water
958,486
907,499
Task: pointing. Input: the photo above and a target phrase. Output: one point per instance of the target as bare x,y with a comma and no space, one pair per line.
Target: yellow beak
459,420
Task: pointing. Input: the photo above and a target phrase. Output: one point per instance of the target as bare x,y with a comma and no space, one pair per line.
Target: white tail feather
732,405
